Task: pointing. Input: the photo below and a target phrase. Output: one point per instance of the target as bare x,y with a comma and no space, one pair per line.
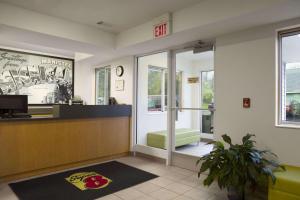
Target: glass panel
166,89
207,86
290,87
155,89
194,89
292,92
102,85
206,122
188,135
178,88
151,100
107,85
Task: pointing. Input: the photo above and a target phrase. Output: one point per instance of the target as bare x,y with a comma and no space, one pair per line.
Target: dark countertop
79,112
33,118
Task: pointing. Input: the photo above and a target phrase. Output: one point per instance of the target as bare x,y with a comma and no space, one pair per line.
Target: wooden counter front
29,146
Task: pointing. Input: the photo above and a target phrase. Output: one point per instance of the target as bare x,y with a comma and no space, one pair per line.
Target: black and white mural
45,79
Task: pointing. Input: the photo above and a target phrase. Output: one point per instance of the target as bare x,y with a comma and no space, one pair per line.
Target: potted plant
238,167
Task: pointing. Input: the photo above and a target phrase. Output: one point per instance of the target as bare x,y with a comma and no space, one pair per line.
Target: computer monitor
10,104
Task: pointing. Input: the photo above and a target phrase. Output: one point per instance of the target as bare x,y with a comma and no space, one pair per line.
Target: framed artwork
119,85
45,79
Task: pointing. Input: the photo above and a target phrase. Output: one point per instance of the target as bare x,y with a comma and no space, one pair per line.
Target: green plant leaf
208,181
238,165
247,137
198,161
219,145
227,139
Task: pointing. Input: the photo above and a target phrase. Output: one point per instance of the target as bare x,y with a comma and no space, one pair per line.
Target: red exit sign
161,30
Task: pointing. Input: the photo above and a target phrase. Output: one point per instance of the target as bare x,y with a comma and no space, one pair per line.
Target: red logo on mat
88,180
95,182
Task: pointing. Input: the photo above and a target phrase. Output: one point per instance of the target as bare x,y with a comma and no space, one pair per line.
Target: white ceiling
22,38
118,15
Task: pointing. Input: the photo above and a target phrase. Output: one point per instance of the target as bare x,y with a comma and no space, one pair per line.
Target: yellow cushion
288,181
279,195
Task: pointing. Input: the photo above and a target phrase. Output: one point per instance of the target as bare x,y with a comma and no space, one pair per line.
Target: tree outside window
292,91
102,85
207,85
155,89
158,88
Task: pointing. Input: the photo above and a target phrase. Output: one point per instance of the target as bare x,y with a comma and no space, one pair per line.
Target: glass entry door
174,104
152,105
193,102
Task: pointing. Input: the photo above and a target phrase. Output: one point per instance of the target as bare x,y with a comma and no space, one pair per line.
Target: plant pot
233,194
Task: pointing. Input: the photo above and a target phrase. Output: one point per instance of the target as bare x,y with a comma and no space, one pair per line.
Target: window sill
294,126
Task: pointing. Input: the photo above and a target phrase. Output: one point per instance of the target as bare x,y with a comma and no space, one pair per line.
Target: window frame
280,122
201,83
162,88
164,72
107,86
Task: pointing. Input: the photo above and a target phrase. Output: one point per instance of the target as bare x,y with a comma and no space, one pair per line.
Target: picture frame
46,79
119,85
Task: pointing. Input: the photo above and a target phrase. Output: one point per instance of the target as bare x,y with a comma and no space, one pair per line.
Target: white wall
245,66
203,64
84,82
125,96
210,15
190,94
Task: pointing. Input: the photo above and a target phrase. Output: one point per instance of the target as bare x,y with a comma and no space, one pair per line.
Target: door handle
203,109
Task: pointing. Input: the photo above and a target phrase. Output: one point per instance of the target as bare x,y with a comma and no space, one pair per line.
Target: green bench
183,136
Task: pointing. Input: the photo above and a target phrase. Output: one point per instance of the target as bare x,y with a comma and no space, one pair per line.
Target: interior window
158,88
207,85
155,91
289,80
102,85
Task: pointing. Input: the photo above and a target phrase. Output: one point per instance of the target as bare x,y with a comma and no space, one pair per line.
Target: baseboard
57,169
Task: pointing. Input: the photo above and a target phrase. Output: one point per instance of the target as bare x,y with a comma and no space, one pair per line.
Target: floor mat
82,184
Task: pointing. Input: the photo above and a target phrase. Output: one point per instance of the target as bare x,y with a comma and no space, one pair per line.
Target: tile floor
173,183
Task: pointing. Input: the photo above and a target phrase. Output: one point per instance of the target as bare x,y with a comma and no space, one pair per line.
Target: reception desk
71,137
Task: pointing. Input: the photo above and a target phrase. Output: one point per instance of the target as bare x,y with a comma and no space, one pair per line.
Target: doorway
174,104
152,104
193,115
